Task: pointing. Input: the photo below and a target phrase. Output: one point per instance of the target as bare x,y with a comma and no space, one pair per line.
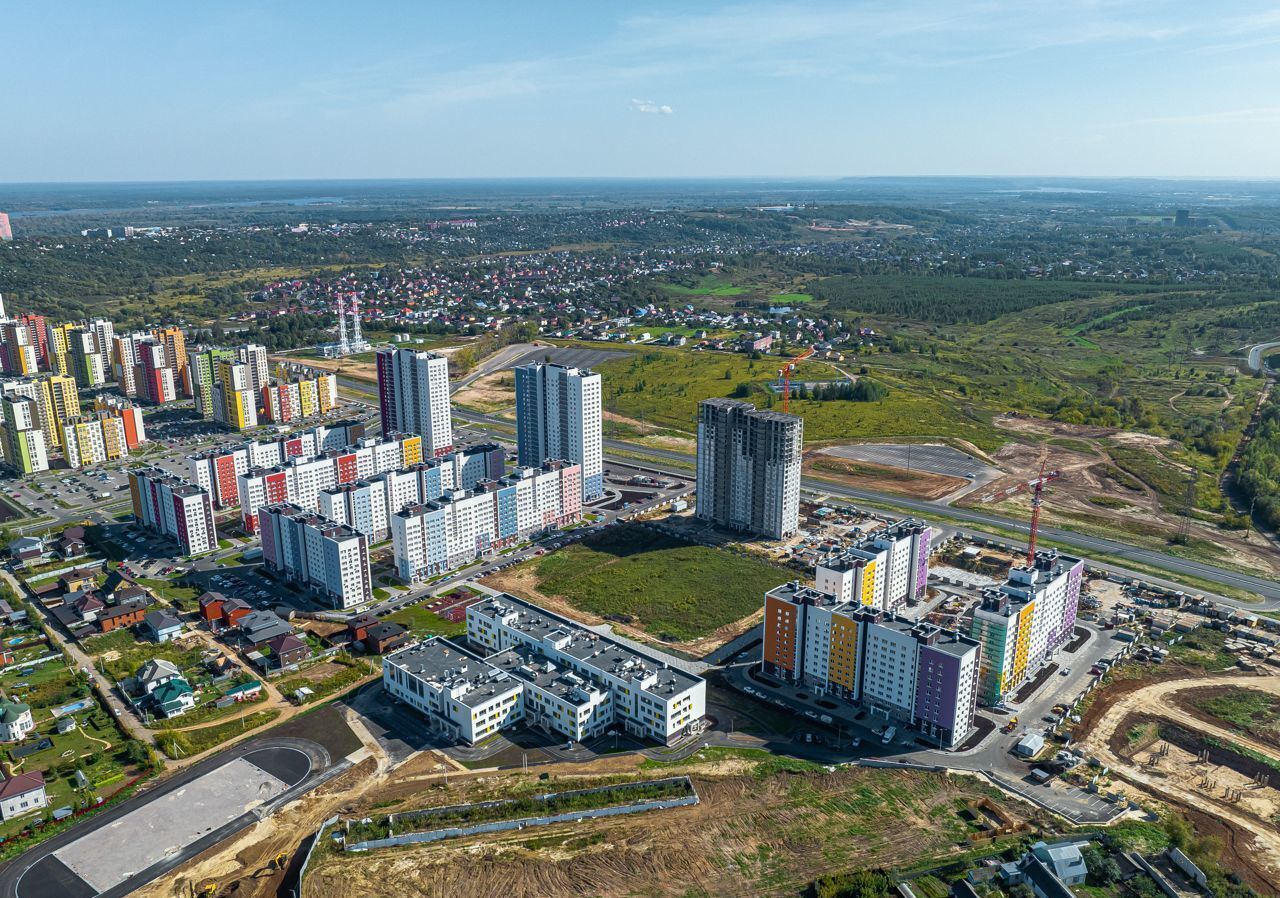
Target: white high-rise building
255,357
413,397
558,416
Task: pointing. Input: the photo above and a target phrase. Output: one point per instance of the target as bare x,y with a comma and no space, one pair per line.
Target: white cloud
651,107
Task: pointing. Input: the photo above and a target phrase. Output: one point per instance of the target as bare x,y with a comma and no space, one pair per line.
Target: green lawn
171,591
707,285
673,589
96,746
184,743
1254,712
353,670
132,657
663,386
423,623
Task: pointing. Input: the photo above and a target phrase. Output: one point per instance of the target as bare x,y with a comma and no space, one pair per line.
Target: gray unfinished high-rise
749,467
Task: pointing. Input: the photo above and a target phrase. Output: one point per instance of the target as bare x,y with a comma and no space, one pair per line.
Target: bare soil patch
866,475
489,393
748,836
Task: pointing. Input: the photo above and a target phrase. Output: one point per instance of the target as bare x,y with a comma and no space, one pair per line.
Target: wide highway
1268,590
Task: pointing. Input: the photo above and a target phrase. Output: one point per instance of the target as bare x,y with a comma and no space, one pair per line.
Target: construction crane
784,373
1037,499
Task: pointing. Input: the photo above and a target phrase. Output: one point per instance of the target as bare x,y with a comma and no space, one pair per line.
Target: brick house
288,649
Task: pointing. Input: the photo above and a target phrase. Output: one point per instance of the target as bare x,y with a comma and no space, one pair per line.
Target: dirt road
1255,841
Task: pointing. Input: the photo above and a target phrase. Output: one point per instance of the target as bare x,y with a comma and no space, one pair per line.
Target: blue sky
137,91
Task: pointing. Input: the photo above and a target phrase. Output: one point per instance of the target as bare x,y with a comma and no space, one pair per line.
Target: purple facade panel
1072,601
937,687
922,562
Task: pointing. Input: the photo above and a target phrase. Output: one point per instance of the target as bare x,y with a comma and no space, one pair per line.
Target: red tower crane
785,374
1037,499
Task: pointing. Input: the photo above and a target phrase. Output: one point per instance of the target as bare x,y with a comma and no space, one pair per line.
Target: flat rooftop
533,667
441,662
591,648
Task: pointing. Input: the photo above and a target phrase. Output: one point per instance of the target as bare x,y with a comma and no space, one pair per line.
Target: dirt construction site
755,831
1154,740
1096,492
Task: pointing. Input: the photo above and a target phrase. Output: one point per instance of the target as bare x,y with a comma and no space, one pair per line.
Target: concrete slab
163,828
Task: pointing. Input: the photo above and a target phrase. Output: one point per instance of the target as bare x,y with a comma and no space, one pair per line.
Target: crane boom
785,373
1037,499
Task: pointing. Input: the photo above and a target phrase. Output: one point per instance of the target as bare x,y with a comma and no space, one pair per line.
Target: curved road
1268,589
38,873
1255,354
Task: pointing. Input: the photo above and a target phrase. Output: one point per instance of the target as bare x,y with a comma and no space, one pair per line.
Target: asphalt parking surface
155,831
935,459
573,357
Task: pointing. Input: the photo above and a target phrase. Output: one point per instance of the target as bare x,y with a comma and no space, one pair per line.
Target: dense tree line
1259,475
946,300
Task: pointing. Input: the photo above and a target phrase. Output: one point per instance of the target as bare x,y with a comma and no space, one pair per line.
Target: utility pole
1184,528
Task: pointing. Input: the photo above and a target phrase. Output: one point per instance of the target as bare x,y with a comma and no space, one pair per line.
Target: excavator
209,888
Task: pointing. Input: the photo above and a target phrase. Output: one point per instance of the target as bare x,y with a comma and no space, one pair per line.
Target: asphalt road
1269,590
1255,354
39,874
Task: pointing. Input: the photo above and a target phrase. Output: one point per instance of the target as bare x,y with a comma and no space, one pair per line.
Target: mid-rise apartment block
201,373
1022,623
174,342
154,375
254,357
104,333
888,569
135,428
300,479
413,397
19,351
23,440
578,683
235,402
911,672
83,358
296,400
431,536
331,559
58,341
558,416
91,441
217,470
57,400
173,507
749,468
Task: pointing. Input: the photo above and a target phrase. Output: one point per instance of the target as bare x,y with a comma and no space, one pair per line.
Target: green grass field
184,743
672,589
664,386
707,285
423,623
1256,713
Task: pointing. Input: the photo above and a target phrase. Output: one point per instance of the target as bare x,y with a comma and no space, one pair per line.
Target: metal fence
306,861
504,825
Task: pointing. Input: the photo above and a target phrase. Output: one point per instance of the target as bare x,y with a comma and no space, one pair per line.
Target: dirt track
865,475
1250,835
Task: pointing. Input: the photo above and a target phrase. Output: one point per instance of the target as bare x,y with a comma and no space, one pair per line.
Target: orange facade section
780,633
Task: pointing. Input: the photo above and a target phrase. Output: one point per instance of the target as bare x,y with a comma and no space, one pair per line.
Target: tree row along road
1269,590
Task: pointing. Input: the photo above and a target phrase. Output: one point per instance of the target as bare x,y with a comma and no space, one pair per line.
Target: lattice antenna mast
343,346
